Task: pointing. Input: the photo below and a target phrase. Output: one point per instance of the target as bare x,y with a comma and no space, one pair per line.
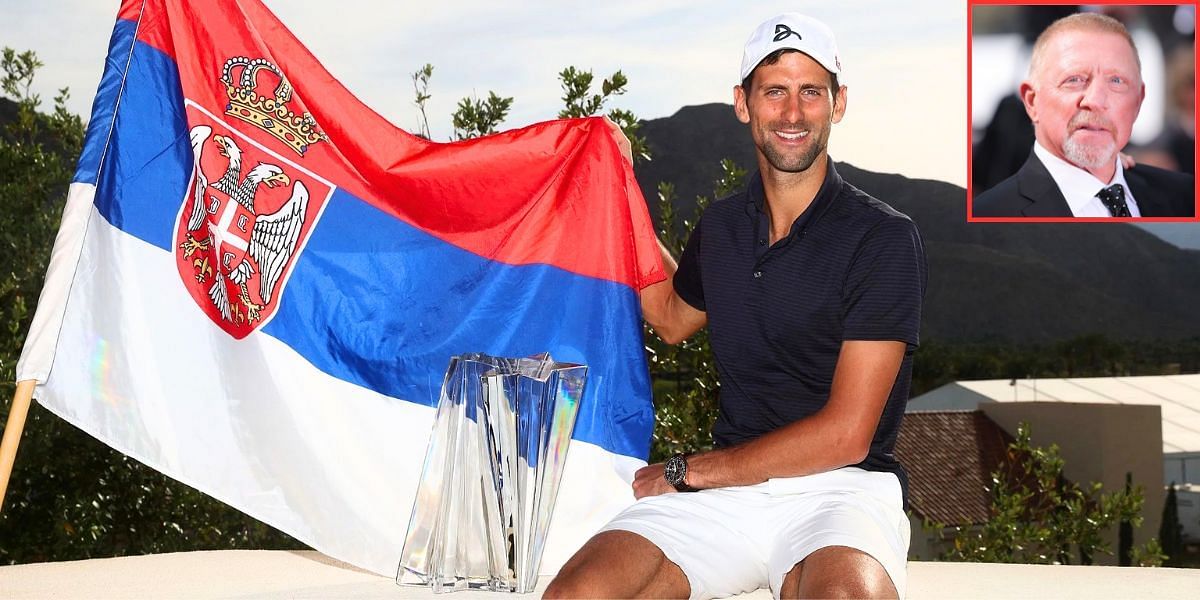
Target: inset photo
1082,113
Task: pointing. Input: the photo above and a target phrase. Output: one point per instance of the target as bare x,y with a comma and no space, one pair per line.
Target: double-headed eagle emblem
226,225
238,230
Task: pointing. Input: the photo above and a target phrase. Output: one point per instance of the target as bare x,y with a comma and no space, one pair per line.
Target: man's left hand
650,481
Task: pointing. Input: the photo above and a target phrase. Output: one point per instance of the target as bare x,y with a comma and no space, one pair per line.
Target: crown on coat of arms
269,113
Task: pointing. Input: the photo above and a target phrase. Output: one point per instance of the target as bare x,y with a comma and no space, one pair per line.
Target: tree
685,375
37,155
1037,516
1170,531
475,118
580,101
1125,535
420,79
471,118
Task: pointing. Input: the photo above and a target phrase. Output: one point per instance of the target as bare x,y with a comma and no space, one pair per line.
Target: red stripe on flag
553,193
129,10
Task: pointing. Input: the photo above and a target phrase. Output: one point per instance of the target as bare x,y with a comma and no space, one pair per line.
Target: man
1083,94
811,291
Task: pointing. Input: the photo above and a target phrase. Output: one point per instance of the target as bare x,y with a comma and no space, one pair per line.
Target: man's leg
838,572
619,564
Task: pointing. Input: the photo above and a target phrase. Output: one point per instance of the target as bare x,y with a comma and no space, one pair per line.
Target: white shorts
736,540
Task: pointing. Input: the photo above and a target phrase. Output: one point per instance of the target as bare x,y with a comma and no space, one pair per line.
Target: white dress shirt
1080,187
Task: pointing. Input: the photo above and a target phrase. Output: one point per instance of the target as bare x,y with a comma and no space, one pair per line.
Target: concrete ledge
280,574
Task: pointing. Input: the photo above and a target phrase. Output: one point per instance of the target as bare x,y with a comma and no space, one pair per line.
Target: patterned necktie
1113,198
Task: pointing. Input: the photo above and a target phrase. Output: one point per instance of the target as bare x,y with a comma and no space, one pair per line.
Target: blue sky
904,60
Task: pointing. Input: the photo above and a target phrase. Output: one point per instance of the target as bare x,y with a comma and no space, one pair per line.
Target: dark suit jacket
1005,144
1031,192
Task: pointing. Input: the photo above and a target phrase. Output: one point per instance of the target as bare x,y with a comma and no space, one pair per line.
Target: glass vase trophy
491,473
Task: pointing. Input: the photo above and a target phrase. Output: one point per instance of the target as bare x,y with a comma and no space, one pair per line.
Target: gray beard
1089,156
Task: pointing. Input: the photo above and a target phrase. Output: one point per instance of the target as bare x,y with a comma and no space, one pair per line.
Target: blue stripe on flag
104,104
149,157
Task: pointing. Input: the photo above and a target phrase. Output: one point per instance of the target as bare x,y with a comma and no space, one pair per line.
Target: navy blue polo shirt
852,268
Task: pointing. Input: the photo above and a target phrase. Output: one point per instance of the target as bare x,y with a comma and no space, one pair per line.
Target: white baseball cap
795,31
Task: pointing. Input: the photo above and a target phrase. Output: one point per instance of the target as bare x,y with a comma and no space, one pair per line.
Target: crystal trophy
491,474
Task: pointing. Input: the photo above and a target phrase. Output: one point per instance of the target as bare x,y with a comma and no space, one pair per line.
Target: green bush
1037,516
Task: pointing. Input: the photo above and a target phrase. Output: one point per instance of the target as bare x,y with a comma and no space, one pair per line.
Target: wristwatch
675,472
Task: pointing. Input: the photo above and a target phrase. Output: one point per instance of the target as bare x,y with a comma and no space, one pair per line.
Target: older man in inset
1083,94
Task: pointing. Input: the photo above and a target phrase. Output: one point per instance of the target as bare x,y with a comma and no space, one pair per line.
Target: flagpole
12,432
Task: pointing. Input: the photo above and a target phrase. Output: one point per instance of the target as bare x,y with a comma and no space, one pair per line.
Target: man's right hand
651,480
673,319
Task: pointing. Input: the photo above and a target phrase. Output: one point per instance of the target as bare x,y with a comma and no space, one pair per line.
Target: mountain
687,149
1183,235
1031,282
8,113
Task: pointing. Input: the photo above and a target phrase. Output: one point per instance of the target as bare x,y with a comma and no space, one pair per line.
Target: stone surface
281,574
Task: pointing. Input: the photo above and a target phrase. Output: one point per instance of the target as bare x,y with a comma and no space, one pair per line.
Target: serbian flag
259,282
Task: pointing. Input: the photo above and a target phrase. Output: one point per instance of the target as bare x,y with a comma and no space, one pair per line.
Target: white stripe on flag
251,422
38,353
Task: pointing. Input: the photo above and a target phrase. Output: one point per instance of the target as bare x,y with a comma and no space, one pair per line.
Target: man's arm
836,436
673,319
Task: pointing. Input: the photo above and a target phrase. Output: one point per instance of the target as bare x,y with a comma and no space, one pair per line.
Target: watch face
675,470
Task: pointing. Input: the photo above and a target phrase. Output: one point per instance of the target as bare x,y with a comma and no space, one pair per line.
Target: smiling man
811,291
1083,94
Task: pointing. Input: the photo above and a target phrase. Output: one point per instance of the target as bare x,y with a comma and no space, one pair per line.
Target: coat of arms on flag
248,210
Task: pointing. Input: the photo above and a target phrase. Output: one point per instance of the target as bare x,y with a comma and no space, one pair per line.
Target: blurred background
1001,40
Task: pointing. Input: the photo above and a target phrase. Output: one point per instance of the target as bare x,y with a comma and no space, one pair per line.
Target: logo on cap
782,31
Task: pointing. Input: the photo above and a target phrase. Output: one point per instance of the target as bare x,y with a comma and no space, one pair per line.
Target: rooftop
949,457
1178,395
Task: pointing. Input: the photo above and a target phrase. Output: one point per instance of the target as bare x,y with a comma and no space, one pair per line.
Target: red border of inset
971,4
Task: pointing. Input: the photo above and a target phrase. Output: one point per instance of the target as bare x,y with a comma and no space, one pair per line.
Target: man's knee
567,587
582,575
617,564
842,572
853,586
